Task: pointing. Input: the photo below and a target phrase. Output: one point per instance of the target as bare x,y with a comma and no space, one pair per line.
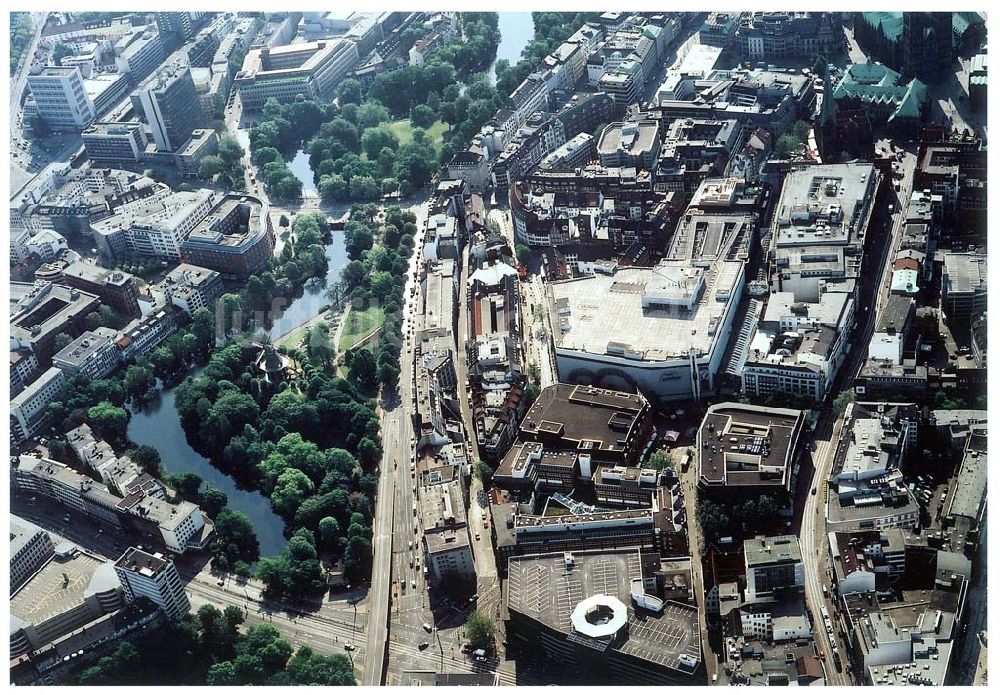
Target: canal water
159,426
516,30
314,294
300,167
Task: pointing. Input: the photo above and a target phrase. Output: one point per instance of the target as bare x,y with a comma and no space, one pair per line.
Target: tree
349,92
230,150
213,500
843,399
371,113
209,166
480,630
661,460
712,519
329,533
362,369
523,253
61,341
283,220
291,488
60,51
421,116
484,471
374,139
110,421
147,458
235,540
786,146
138,378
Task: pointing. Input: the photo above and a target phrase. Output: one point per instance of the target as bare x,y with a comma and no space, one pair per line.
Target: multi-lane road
812,533
397,429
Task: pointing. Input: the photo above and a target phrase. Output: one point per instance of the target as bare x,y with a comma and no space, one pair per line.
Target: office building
139,53
70,590
23,367
604,617
170,105
114,144
116,288
46,310
61,98
234,237
283,72
190,287
746,450
94,353
798,347
28,414
652,331
146,333
180,527
155,577
601,425
779,36
154,226
630,144
867,491
719,29
963,286
772,564
30,548
820,225
445,531
181,25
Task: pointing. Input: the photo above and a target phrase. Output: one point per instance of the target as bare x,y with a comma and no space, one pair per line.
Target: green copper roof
875,84
961,21
892,23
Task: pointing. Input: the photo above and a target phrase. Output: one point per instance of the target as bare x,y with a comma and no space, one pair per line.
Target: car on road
814,491
348,647
413,583
427,627
221,582
423,645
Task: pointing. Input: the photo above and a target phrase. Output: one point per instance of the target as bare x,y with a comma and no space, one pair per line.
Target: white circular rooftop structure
599,616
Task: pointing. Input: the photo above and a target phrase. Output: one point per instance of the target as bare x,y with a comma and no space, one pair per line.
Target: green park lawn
403,130
358,324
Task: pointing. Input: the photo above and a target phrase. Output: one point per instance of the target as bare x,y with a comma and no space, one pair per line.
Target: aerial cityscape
391,348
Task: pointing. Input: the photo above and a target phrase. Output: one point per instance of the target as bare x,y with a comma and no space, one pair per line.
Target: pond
300,167
159,426
314,294
516,30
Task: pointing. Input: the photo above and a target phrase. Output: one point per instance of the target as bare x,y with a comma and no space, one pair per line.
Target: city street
397,429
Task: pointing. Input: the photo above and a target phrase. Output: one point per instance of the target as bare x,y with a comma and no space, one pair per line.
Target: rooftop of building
97,274
632,138
966,272
232,222
967,495
22,532
601,418
824,204
89,343
618,324
747,445
770,550
47,306
141,562
60,585
549,588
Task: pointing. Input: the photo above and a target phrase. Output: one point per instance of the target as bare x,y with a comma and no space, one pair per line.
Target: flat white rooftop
590,313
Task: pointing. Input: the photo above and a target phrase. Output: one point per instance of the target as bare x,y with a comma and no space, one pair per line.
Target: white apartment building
61,98
27,409
155,577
